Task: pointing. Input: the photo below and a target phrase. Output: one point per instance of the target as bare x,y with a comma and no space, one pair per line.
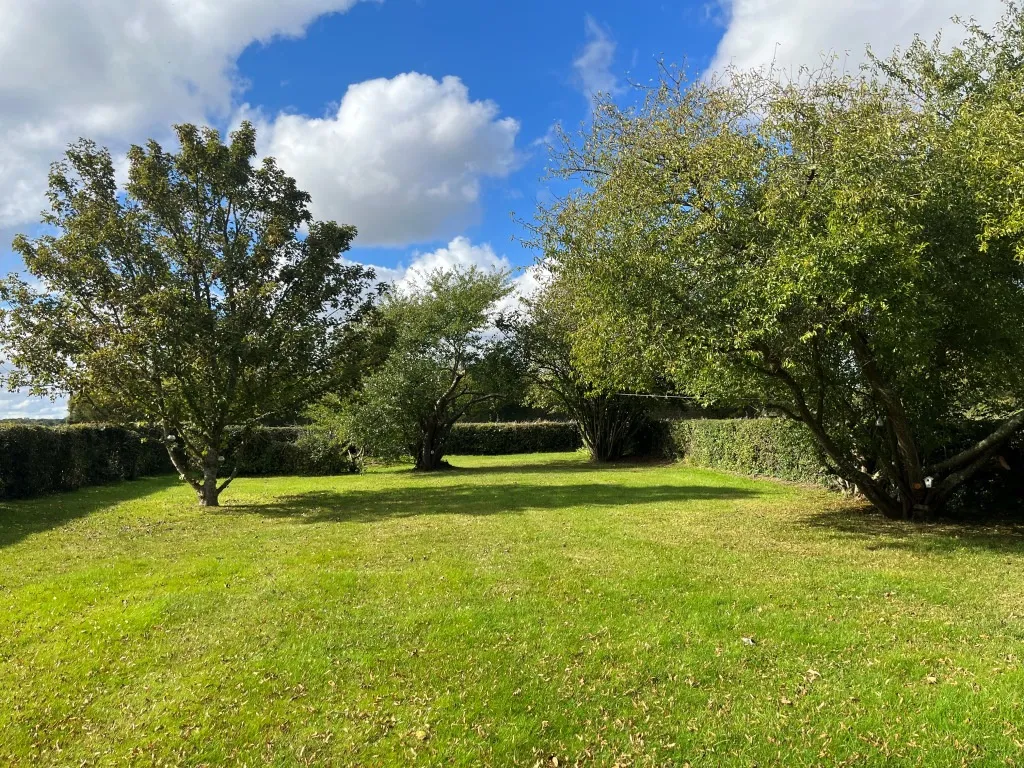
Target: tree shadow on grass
878,532
20,518
472,499
536,466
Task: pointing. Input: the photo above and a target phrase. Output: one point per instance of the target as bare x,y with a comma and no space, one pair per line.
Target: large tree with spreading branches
201,295
845,251
445,357
542,331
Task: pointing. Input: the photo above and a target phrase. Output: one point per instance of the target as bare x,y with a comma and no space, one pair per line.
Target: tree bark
209,494
606,426
430,451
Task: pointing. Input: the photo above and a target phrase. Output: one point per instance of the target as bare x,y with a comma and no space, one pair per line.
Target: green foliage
844,250
445,360
38,460
776,448
784,449
542,334
41,460
201,295
303,451
500,438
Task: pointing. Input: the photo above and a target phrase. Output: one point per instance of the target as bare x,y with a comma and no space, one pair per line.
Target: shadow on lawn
472,499
942,537
20,518
579,466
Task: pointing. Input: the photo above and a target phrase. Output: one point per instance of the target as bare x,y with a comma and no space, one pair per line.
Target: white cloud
402,158
461,253
18,405
593,66
15,405
119,71
795,33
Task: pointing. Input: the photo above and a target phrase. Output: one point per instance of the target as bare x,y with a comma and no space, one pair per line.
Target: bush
36,460
39,460
783,449
288,451
769,447
501,438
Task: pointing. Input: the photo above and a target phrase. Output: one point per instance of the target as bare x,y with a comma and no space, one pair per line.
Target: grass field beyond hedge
520,610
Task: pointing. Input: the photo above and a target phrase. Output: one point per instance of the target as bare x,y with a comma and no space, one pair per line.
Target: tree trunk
209,493
605,428
430,451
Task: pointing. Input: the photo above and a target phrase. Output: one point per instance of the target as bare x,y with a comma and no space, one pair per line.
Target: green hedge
769,447
500,438
287,451
782,449
36,460
39,460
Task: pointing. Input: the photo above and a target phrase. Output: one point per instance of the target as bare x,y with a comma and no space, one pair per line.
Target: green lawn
520,610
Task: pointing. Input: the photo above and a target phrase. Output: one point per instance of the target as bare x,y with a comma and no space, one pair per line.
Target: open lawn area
516,611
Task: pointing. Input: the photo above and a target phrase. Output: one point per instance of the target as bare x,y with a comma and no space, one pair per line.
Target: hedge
500,438
36,460
288,451
776,448
783,449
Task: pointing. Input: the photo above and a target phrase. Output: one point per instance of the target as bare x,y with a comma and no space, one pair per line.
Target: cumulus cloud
593,67
401,158
461,253
119,71
795,33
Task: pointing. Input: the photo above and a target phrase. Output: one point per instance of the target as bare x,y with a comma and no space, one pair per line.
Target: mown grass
521,610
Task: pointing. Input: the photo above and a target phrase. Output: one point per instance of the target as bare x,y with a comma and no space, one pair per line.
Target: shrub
783,449
36,460
770,447
288,451
500,438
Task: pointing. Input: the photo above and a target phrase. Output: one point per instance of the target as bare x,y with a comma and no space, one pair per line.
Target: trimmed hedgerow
288,451
501,438
37,460
769,447
783,449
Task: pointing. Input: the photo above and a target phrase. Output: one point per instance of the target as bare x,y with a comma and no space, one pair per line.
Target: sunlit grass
518,610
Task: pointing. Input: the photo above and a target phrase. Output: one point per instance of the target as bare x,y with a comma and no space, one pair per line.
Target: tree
842,250
203,295
446,358
543,334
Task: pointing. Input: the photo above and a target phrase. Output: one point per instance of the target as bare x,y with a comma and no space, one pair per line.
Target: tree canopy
202,295
842,249
445,358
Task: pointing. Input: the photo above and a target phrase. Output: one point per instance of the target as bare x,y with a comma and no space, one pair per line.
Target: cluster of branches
202,295
844,250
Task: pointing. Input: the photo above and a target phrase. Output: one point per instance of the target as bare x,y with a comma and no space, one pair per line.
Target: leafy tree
203,295
82,411
543,332
843,250
445,359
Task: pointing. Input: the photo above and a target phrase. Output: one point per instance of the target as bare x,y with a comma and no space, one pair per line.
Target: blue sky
519,56
422,122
